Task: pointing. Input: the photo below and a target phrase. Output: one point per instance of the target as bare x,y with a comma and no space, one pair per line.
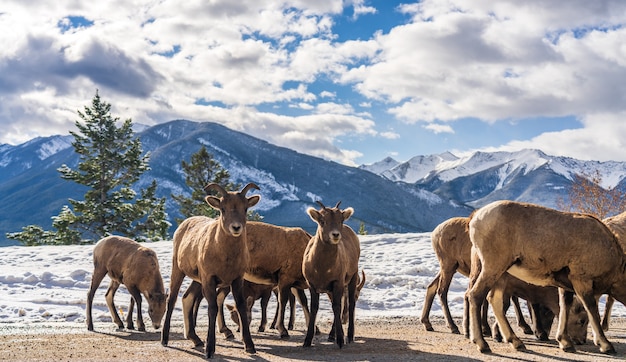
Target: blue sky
352,81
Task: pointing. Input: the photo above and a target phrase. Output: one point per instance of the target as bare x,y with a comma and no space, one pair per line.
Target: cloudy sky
352,81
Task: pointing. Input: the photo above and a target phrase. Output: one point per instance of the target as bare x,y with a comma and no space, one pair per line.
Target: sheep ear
213,201
253,200
230,307
347,213
313,214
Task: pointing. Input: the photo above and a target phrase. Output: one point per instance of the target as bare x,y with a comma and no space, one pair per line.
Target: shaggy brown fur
213,253
137,267
452,245
542,246
331,261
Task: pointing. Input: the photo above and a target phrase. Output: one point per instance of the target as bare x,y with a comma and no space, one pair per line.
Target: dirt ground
379,339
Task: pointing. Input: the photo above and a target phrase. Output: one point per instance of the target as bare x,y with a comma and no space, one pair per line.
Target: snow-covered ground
50,283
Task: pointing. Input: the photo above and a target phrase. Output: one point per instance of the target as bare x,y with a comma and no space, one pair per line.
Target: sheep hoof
261,329
484,349
542,337
453,330
569,349
609,350
518,345
250,350
141,329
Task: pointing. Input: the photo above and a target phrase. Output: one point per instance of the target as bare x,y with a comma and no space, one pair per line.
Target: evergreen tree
199,172
110,162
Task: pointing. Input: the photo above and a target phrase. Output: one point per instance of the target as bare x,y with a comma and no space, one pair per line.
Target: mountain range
31,190
388,196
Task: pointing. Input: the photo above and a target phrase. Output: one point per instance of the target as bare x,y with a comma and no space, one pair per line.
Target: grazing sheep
575,252
453,249
544,302
331,261
452,245
214,253
275,260
617,224
137,267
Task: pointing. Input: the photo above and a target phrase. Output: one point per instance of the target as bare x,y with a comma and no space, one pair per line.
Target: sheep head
233,206
330,221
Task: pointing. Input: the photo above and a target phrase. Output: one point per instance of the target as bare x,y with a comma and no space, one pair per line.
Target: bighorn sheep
275,259
452,246
214,253
617,224
331,261
137,267
575,252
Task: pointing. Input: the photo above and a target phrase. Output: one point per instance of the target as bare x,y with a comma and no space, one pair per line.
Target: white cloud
361,9
390,135
439,128
601,138
224,61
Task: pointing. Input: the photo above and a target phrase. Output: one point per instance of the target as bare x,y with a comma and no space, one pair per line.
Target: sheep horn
320,203
216,187
249,186
337,206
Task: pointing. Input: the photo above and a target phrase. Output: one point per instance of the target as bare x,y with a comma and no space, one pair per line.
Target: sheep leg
240,303
536,317
500,303
264,301
480,284
607,312
96,279
129,315
521,322
431,290
445,279
337,328
222,293
565,301
292,309
351,307
136,294
110,294
176,280
191,303
315,305
273,325
209,292
584,290
283,295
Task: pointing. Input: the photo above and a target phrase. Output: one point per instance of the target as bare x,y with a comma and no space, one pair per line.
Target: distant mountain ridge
31,190
477,179
388,196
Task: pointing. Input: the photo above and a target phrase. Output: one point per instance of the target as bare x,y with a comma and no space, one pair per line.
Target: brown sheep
452,245
617,224
575,252
275,260
331,261
137,267
214,253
